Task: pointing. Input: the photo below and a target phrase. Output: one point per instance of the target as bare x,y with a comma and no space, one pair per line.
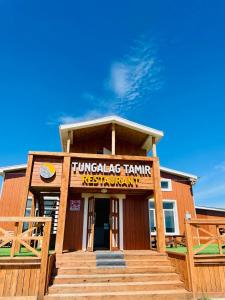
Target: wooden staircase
144,275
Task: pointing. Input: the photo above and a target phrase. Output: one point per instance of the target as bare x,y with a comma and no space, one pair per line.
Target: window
104,151
170,217
166,185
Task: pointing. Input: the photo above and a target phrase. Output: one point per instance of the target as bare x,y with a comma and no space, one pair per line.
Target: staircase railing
197,244
34,239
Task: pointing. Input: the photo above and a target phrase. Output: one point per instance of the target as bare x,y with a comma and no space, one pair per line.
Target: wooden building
105,190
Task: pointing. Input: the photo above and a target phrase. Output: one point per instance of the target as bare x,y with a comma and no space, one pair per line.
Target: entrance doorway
102,225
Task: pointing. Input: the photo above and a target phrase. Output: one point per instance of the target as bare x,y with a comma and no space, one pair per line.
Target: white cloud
136,76
131,81
68,119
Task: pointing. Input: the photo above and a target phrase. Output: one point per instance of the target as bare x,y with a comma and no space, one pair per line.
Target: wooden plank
44,260
7,285
91,224
160,228
190,256
25,194
206,222
63,204
19,288
2,280
113,139
26,283
14,280
94,156
114,224
154,152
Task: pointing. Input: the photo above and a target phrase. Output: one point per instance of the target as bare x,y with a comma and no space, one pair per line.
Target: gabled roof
163,169
151,132
210,208
179,173
12,168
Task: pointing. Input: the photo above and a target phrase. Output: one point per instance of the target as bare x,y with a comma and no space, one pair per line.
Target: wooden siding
74,225
209,276
179,262
94,139
91,145
37,181
182,193
11,196
136,223
19,280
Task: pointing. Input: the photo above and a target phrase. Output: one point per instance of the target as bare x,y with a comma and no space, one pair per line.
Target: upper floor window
166,185
104,151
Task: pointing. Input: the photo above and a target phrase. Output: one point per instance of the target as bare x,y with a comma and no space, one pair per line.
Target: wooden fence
202,270
23,274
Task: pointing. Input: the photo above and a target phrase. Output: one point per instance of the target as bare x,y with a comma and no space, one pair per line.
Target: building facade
105,190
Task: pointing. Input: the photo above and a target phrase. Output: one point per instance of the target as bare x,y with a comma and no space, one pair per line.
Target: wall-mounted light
187,215
103,191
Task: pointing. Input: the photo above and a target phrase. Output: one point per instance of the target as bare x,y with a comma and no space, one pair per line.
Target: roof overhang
13,168
210,208
191,177
66,129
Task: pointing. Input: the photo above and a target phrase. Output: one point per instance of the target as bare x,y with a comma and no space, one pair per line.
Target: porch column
63,204
25,194
160,228
113,139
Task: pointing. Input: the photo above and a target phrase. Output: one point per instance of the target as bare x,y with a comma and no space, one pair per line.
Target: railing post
44,260
160,228
13,248
190,256
219,240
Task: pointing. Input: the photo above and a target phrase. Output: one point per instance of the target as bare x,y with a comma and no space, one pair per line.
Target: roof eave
111,119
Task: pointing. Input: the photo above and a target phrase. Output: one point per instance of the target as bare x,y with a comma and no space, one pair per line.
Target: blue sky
160,63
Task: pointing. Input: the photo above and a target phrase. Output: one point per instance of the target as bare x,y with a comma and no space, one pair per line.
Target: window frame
169,189
176,219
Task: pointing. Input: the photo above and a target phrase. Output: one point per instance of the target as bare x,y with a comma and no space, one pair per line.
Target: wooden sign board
124,174
95,173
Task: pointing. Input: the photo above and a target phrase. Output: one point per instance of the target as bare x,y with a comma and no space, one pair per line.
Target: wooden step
134,263
180,294
115,287
77,257
76,263
61,279
115,270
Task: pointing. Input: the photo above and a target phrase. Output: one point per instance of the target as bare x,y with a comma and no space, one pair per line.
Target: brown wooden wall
136,223
94,145
91,140
19,280
74,225
209,276
182,193
91,145
11,196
